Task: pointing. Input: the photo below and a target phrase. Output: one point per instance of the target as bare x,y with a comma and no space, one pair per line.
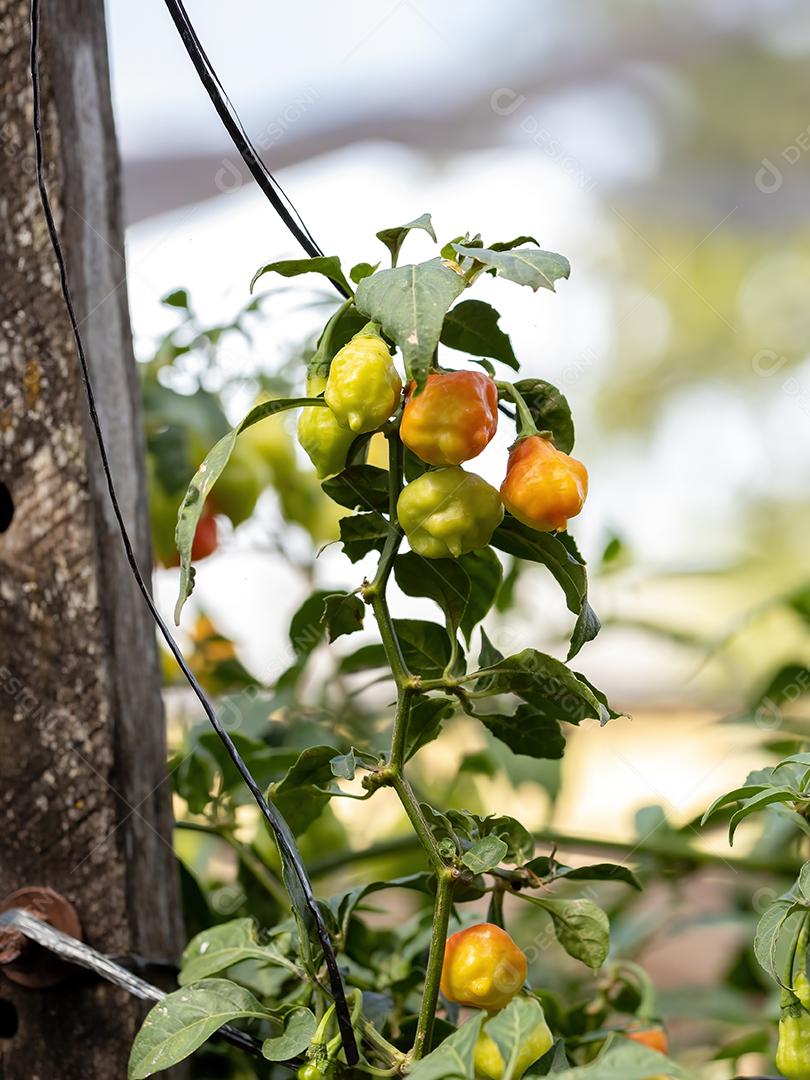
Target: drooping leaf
202,483
525,265
393,238
297,794
182,1021
772,935
756,803
344,766
343,614
299,1029
362,533
580,927
559,555
526,731
550,411
737,795
472,327
425,722
543,867
360,487
220,947
328,265
485,572
410,303
544,683
425,646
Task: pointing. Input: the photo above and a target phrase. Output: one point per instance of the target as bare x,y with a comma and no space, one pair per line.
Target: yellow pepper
483,967
363,387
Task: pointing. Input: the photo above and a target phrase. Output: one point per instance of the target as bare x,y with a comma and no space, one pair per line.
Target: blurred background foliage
664,148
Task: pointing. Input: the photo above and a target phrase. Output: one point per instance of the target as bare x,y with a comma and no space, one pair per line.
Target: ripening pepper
489,1063
363,386
654,1037
453,419
324,440
483,967
310,1071
448,513
793,1050
543,487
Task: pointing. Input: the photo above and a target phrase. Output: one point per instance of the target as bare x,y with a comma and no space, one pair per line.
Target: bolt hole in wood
6,507
8,1019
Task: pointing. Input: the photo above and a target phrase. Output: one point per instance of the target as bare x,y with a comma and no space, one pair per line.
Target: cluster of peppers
447,511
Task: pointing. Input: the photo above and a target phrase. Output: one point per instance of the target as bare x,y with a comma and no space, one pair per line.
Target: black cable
233,125
281,830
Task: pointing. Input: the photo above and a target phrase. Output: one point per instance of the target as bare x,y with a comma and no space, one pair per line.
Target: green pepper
322,437
310,1072
793,1051
363,387
449,512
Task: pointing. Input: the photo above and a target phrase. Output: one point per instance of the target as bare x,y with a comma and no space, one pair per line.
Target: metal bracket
21,959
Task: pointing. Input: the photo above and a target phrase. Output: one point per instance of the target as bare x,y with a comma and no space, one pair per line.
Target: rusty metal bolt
22,960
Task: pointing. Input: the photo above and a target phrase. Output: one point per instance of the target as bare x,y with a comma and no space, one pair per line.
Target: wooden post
85,806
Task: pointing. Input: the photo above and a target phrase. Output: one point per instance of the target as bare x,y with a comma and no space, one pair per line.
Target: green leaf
343,614
341,328
773,934
344,766
526,265
580,926
452,1059
425,647
362,270
203,482
394,238
425,721
220,947
179,299
182,1021
360,487
410,303
559,555
737,795
550,411
471,828
307,626
346,903
543,867
512,1027
485,854
442,580
758,802
296,795
485,572
362,533
328,265
625,1060
507,245
546,684
299,1030
472,327
366,658
526,731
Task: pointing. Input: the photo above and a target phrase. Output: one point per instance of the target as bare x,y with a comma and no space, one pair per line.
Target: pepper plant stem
441,921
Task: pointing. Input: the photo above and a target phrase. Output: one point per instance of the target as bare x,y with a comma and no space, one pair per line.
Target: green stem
400,732
412,808
525,421
438,937
248,858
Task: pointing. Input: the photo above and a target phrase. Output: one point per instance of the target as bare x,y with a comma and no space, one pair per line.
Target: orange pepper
453,419
483,967
543,487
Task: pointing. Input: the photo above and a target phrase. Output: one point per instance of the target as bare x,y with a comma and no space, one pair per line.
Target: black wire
281,831
233,125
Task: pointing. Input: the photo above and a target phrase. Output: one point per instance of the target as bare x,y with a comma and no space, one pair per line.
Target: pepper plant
393,361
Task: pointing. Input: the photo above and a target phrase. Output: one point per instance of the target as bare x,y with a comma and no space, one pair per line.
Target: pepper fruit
325,442
363,386
448,513
240,484
453,419
310,1072
489,1063
483,967
655,1038
793,1050
543,487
